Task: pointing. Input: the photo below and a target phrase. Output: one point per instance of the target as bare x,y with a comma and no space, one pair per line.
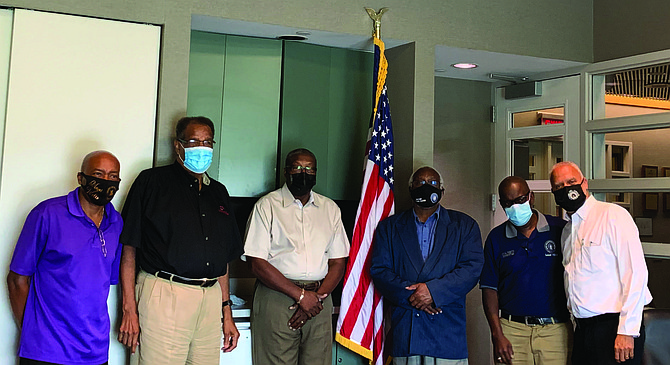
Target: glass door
534,133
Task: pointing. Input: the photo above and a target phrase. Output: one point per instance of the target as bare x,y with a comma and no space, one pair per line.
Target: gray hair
411,178
566,163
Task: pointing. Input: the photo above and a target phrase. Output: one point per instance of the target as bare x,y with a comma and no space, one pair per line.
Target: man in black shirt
179,229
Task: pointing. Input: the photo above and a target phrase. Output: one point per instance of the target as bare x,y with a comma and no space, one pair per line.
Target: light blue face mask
197,159
519,214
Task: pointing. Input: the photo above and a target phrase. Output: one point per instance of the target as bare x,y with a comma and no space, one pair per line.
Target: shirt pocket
593,254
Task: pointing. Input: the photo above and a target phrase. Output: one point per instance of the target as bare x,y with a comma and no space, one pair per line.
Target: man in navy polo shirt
64,262
523,278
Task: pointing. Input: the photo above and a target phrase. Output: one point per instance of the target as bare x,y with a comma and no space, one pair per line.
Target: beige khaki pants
273,343
179,324
540,345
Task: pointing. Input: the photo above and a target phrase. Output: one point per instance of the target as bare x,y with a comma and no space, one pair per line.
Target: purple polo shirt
60,248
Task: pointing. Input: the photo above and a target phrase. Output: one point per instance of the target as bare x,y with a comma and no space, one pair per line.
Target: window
628,144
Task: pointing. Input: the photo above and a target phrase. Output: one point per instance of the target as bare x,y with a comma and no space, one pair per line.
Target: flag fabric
360,326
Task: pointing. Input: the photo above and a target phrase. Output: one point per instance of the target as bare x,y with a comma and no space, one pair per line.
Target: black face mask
300,184
98,191
426,195
570,197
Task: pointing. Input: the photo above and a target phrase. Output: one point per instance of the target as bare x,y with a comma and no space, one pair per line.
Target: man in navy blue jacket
424,261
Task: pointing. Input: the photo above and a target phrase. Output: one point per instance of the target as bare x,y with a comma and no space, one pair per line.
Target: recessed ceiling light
464,65
303,32
440,70
291,37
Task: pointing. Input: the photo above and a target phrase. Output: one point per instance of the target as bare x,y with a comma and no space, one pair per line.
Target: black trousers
24,361
594,341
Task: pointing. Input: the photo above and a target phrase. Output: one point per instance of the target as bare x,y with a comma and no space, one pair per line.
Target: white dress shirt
605,271
297,240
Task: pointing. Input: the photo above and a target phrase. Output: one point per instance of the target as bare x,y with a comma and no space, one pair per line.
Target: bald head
99,163
514,190
423,172
512,182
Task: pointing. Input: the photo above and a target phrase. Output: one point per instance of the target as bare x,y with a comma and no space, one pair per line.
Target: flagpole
376,17
360,325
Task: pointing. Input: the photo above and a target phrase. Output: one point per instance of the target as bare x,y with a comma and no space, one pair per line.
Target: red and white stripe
361,314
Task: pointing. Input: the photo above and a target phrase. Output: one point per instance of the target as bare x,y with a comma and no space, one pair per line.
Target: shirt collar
436,215
74,206
288,198
190,178
541,226
584,210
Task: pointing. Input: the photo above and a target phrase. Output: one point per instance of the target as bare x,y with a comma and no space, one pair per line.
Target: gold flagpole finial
377,19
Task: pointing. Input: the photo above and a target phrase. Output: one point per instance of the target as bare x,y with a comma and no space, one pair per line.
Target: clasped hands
421,299
309,306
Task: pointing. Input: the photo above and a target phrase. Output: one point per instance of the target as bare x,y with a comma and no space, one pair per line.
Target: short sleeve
258,240
339,243
489,278
114,274
31,243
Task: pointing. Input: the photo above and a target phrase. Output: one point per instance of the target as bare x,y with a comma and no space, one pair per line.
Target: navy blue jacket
451,270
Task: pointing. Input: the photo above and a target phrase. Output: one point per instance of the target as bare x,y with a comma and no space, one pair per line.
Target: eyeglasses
519,200
103,247
196,142
418,183
299,169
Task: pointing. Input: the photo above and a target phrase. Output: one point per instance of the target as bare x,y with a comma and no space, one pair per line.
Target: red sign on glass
546,121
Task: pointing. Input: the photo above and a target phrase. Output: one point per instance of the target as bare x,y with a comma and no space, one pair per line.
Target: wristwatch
226,303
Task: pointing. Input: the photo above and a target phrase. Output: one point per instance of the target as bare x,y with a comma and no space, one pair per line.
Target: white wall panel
6,17
76,85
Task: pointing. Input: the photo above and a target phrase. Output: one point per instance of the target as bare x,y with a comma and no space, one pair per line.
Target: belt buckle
525,318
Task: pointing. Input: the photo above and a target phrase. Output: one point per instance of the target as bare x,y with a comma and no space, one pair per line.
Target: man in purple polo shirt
64,262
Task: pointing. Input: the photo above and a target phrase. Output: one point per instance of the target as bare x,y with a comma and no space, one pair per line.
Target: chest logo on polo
508,253
550,248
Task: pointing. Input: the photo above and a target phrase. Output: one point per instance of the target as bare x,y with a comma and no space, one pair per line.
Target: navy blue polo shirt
526,272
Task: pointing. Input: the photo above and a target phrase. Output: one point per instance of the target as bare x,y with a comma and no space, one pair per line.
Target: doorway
616,126
532,134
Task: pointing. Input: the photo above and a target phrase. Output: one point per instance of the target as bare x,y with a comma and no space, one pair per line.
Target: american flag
360,326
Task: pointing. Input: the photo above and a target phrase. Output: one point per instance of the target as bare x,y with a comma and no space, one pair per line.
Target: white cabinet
242,354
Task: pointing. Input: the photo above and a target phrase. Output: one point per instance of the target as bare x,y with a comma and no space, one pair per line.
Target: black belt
308,285
533,321
205,283
584,322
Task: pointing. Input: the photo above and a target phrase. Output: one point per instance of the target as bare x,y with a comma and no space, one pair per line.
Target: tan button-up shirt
297,240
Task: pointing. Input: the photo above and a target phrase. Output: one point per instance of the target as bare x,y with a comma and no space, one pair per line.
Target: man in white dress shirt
605,273
297,248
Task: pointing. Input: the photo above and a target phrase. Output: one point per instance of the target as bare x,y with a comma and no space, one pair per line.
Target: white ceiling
330,39
489,62
492,62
